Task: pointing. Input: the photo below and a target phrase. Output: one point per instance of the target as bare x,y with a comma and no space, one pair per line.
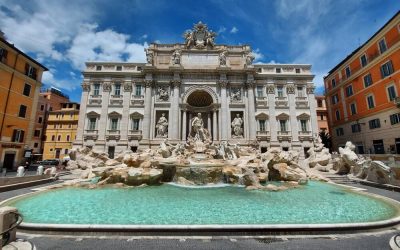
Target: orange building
362,94
322,113
49,100
20,81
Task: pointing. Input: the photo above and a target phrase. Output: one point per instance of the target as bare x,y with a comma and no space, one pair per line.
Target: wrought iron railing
6,235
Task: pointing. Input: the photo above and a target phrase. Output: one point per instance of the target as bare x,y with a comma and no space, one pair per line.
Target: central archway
199,98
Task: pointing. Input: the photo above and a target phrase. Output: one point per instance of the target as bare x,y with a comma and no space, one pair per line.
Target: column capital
250,83
128,86
148,83
223,83
290,88
106,86
176,83
270,88
85,86
310,88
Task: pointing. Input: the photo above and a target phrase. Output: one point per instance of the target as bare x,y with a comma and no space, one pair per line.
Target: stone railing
137,100
301,102
116,100
91,134
281,102
261,101
284,136
135,134
305,135
263,135
113,134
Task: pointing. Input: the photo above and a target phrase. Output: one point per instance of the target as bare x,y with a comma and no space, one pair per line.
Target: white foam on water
219,185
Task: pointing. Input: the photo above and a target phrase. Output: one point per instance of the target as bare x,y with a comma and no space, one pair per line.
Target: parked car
48,162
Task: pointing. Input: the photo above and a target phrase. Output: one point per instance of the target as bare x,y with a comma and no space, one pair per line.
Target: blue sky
64,34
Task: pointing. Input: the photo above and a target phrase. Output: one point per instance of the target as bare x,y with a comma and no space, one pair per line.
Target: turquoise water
167,204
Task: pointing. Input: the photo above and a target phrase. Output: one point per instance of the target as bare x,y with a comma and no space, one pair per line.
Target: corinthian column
147,109
82,114
174,115
251,108
224,110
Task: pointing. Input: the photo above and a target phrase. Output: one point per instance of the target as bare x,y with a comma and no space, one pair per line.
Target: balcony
281,102
284,136
263,135
301,102
137,101
305,136
91,134
135,135
261,101
116,100
95,100
113,134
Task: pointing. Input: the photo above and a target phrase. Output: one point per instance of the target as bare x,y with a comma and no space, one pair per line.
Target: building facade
131,105
322,114
61,131
49,99
362,94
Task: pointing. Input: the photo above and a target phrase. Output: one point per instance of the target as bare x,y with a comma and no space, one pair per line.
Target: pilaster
82,114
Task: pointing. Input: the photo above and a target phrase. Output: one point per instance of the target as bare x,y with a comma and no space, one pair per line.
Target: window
394,119
363,60
282,124
135,124
262,125
260,91
119,68
98,68
92,123
355,128
59,138
117,89
111,151
382,46
35,145
41,107
335,99
69,125
303,124
53,138
27,89
333,83
66,151
114,124
349,90
30,71
297,71
348,72
319,103
339,131
280,91
337,114
138,90
96,89
300,92
40,119
367,80
321,117
36,133
3,54
68,137
391,93
55,126
370,101
18,135
278,70
353,108
375,123
22,111
387,69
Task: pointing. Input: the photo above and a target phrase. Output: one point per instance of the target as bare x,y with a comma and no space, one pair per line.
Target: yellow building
61,131
20,82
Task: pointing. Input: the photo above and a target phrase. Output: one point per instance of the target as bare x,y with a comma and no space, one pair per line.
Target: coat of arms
200,36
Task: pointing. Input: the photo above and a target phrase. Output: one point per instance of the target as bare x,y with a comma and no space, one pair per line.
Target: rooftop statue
199,36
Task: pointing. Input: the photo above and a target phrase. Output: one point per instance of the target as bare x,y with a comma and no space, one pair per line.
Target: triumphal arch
127,105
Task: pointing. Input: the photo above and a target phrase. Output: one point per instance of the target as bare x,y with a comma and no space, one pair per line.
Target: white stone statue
176,57
162,126
149,56
163,94
222,58
249,58
236,124
236,95
198,128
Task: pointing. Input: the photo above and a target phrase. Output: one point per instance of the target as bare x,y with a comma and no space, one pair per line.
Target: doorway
8,162
397,142
58,151
378,146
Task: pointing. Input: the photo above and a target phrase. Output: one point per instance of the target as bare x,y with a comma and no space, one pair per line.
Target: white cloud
234,30
144,37
221,29
49,79
257,55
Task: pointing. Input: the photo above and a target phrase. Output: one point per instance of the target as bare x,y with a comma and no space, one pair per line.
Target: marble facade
122,103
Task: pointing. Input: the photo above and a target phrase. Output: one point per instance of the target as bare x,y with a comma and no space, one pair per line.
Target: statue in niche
222,58
236,95
162,126
176,57
249,58
201,134
163,94
237,126
149,56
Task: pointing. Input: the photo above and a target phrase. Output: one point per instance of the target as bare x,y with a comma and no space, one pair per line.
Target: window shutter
21,137
26,68
390,67
14,135
382,73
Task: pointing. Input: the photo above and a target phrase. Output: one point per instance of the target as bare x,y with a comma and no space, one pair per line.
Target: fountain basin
315,205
